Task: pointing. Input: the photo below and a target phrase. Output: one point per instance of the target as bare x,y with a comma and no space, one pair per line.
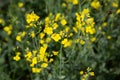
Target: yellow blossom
82,42
55,25
55,53
56,37
8,29
36,70
51,60
95,4
118,11
41,35
1,21
41,41
75,2
31,17
63,22
64,5
57,17
18,38
81,72
16,58
66,42
28,56
44,65
115,4
23,33
92,74
104,24
109,37
90,29
48,39
48,30
93,39
20,4
32,34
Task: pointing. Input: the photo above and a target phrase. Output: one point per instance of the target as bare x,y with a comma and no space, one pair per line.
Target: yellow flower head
36,70
8,29
115,4
31,17
56,37
16,58
66,42
20,4
63,22
48,30
75,2
18,38
95,4
44,65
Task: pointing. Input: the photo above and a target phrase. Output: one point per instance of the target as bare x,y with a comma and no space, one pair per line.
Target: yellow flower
41,35
1,21
75,2
31,17
90,29
18,53
55,25
95,4
57,17
32,34
8,29
44,65
64,5
48,30
18,38
34,60
48,39
115,4
92,74
23,33
75,29
118,11
104,24
41,41
66,42
28,56
20,4
109,37
36,70
63,22
82,42
81,72
56,37
16,58
51,60
55,53
93,39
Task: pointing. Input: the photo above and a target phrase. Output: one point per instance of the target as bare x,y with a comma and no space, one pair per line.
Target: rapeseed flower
18,38
8,29
20,4
56,37
66,42
44,65
95,4
31,17
16,58
36,70
63,22
115,4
